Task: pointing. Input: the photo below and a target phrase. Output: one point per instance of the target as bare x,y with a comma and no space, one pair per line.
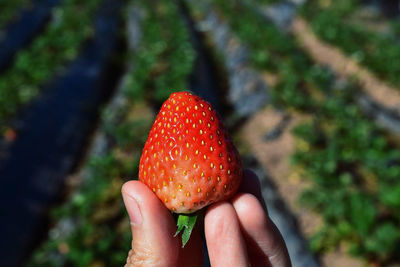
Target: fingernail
133,210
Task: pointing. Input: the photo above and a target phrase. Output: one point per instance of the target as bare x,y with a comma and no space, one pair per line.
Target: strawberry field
308,90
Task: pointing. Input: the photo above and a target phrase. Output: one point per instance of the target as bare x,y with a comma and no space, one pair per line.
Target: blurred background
309,90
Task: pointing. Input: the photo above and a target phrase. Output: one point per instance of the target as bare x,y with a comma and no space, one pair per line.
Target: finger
225,243
251,184
264,241
153,228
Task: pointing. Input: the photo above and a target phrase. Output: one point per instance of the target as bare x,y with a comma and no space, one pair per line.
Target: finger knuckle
142,256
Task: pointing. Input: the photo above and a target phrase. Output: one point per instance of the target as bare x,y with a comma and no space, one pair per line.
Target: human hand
238,232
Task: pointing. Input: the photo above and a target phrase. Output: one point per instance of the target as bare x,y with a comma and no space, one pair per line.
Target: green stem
185,225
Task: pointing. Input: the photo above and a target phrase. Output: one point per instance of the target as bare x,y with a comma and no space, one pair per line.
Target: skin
238,232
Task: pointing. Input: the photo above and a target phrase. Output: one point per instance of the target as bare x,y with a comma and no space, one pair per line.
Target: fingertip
153,211
260,231
152,226
251,184
132,188
136,189
143,195
225,242
217,215
250,211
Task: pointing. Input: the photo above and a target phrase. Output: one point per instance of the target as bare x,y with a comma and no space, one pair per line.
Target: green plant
49,52
101,233
374,50
274,52
168,57
353,169
9,10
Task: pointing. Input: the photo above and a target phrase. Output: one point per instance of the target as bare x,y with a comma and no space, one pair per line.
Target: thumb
152,226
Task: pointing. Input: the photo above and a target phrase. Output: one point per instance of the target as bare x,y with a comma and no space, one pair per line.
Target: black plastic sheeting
390,8
19,33
54,135
203,80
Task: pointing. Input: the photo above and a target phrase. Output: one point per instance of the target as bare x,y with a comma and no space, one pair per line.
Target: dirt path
274,154
325,54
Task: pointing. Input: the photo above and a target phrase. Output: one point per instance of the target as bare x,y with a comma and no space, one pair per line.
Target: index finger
225,243
265,244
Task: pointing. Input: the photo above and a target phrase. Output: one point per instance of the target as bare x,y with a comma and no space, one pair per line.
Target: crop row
353,167
60,42
355,171
159,65
378,51
9,10
276,54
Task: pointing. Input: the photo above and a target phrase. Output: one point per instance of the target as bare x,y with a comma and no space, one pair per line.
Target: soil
275,154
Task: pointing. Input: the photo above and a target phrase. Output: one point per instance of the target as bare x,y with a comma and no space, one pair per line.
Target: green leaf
186,223
183,220
362,213
383,240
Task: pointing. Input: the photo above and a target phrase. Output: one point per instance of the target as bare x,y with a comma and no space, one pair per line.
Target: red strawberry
189,160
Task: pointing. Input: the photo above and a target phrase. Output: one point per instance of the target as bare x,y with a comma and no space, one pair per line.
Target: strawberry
189,160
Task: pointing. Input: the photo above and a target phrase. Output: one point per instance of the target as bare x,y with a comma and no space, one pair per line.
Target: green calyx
185,225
